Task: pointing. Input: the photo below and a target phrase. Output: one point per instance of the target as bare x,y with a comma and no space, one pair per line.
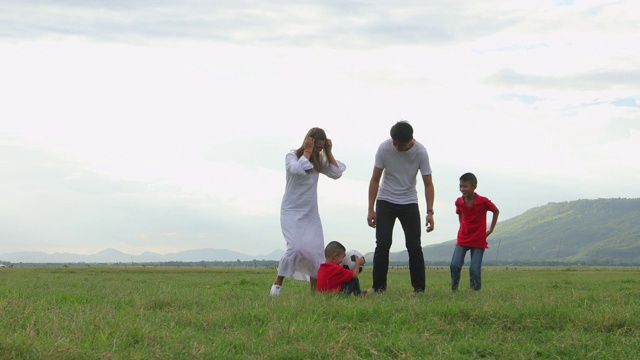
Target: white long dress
299,218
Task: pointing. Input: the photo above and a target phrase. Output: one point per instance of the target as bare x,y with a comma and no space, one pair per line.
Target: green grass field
214,313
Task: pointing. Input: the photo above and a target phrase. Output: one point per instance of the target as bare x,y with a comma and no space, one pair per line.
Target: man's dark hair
402,132
470,178
333,248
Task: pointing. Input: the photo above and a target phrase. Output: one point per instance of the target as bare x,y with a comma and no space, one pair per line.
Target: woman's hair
315,158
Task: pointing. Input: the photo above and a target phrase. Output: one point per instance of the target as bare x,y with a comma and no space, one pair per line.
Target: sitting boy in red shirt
333,277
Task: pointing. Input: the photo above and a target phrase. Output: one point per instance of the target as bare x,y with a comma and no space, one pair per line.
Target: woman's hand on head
309,143
327,146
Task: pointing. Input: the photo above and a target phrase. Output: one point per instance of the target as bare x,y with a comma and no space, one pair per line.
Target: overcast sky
163,125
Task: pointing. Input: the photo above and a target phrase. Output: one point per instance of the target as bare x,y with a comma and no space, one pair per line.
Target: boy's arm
494,221
359,263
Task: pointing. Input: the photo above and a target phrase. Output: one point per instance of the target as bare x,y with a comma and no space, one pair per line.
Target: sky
163,125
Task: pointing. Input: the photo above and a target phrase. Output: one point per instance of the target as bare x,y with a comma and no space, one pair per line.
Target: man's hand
371,219
429,223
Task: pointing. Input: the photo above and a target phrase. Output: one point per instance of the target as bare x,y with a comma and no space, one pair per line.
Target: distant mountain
589,232
274,255
194,256
602,231
110,256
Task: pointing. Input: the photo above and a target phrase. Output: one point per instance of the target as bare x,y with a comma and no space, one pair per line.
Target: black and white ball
349,261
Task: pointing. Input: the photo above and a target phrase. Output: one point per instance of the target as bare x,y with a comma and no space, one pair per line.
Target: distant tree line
274,264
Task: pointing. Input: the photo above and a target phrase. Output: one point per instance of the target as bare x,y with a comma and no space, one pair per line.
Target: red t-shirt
332,276
473,222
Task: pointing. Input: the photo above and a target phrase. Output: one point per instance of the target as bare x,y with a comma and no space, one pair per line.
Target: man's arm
429,194
374,184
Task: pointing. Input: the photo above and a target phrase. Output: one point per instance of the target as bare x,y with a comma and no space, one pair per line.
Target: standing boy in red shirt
333,277
472,213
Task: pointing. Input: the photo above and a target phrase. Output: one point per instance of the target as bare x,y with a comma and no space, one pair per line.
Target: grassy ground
197,313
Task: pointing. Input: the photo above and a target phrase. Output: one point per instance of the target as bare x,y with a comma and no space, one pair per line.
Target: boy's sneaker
368,292
275,290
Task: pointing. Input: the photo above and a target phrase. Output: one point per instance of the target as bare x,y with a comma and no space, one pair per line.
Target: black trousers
409,216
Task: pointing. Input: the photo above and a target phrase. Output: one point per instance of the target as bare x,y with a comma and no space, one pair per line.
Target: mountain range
588,232
602,231
110,256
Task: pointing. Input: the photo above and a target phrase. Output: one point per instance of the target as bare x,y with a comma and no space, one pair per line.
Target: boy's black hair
333,247
402,132
470,178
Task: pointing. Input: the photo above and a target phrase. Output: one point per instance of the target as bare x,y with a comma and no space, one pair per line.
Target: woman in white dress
299,218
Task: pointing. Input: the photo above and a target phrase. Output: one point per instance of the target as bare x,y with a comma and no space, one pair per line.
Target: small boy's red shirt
332,276
473,223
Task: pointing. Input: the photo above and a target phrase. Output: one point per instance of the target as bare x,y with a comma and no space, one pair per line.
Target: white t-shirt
398,184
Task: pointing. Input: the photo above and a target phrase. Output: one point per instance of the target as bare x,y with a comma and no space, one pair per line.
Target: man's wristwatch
430,211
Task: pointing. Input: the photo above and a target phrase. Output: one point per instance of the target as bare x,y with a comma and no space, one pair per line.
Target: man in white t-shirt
399,159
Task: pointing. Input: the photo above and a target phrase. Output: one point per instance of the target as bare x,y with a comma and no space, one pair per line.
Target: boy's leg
352,287
385,220
475,268
409,216
457,260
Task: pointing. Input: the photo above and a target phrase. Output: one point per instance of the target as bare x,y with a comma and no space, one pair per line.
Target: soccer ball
349,261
